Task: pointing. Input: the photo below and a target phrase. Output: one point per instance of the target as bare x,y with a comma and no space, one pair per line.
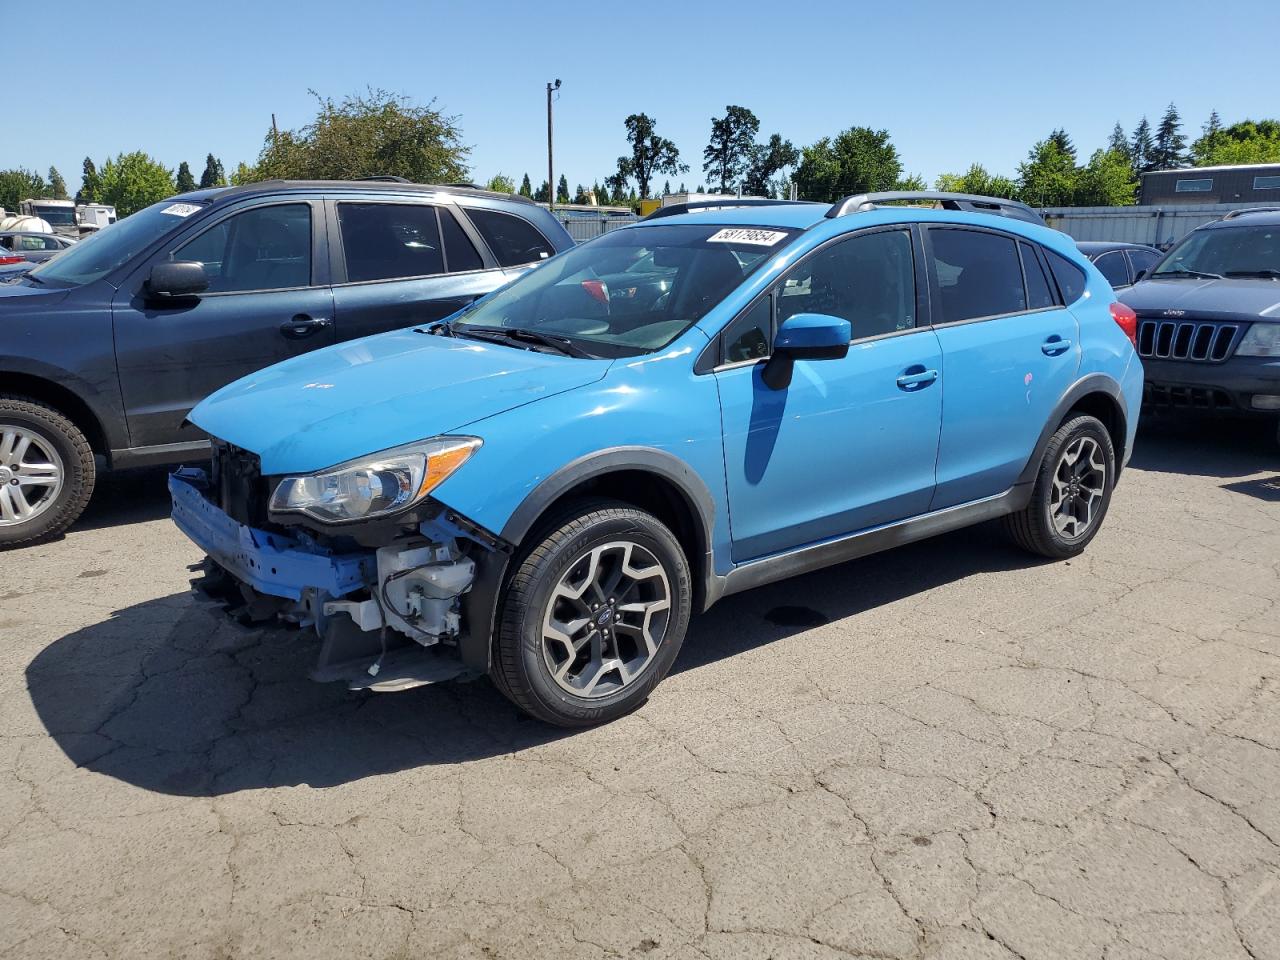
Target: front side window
385,241
1233,251
1112,267
630,291
868,280
513,240
266,248
979,274
1193,186
1142,260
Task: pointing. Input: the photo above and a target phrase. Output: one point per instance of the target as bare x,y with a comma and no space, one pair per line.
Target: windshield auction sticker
181,209
756,238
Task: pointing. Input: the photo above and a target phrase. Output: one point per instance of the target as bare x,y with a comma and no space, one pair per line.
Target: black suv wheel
46,471
593,615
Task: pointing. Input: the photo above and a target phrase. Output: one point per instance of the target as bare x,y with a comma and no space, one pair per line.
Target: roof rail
386,178
969,202
676,209
1232,214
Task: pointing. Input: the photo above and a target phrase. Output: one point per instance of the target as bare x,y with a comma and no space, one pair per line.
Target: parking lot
950,750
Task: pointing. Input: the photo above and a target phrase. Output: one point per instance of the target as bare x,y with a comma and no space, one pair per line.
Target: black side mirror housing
1139,275
177,280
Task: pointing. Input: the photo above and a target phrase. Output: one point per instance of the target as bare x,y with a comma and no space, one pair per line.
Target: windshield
631,291
97,255
1226,252
57,216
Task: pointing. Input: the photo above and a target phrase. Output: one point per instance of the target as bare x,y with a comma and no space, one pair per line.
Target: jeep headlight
1262,340
375,485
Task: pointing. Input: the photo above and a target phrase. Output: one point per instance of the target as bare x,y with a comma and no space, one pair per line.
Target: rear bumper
271,563
1222,388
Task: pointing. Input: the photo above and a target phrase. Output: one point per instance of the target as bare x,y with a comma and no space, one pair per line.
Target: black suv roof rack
676,209
1232,214
386,178
968,202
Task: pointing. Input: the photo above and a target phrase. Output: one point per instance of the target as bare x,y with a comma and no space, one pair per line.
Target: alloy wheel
1079,484
31,474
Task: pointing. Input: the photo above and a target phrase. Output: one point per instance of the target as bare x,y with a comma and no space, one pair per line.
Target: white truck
59,214
91,217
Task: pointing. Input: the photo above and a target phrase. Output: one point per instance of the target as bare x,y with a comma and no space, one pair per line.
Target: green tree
1118,140
580,195
1140,147
366,135
666,187
912,181
562,190
500,183
1107,180
977,180
19,184
213,175
727,157
1063,142
767,161
90,183
184,182
1170,147
650,154
526,188
543,193
242,174
57,186
598,193
134,180
1244,142
858,160
1048,177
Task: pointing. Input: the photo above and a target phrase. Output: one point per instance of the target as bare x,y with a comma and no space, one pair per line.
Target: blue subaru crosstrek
549,484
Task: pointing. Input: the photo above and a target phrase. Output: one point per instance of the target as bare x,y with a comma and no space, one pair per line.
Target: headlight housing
1262,340
376,485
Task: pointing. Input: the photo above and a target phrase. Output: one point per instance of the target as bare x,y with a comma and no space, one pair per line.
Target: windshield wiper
1265,273
1198,274
523,335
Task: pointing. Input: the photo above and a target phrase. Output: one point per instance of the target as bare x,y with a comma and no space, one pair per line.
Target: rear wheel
1072,491
593,616
46,471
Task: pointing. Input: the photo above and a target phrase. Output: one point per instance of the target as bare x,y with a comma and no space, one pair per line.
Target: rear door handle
300,325
1055,345
916,378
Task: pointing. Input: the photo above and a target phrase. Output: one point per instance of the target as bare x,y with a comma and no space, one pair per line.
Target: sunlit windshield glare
1227,251
631,291
97,255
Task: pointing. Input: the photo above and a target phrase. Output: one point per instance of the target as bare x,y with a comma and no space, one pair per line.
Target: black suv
105,348
1209,318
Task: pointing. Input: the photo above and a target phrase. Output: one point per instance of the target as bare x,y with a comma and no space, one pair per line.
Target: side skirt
816,556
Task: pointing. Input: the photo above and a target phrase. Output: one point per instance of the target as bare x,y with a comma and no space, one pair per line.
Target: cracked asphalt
948,751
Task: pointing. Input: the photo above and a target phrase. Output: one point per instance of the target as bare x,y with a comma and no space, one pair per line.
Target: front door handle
300,325
916,378
1054,346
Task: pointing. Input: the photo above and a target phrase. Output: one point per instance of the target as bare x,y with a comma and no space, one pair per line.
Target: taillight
1127,320
7,258
597,289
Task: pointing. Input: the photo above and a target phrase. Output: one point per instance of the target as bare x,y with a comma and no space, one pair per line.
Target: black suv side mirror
1139,275
176,279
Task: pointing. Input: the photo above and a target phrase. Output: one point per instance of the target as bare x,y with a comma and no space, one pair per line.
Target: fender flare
1092,383
481,601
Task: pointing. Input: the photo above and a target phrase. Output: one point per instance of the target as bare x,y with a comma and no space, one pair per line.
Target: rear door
268,300
401,263
1010,350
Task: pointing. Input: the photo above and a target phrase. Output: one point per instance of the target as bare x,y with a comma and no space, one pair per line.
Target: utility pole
551,183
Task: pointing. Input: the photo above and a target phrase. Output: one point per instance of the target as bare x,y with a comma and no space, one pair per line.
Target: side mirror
1139,275
805,336
176,279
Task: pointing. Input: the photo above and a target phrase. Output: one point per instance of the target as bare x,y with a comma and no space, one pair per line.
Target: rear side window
459,250
1113,267
384,241
979,274
1039,291
1070,277
513,240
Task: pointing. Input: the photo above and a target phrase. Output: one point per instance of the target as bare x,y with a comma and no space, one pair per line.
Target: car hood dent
367,395
1235,299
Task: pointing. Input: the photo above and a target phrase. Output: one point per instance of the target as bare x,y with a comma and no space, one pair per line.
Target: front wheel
1072,491
593,615
46,471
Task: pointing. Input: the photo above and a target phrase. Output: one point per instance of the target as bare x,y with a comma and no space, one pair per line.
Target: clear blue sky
953,83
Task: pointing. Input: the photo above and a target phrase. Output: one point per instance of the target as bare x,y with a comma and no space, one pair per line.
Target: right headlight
1262,340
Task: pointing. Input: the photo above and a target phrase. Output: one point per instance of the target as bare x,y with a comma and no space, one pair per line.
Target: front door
267,301
851,443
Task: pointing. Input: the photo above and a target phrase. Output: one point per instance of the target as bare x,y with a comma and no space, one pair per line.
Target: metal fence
588,228
1154,225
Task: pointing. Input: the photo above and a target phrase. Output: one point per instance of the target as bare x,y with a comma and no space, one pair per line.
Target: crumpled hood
1235,299
360,397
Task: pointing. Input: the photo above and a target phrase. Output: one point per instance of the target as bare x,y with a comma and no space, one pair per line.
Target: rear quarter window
1071,279
513,240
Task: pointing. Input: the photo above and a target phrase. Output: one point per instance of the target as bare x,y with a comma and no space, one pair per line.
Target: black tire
73,449
1032,528
520,669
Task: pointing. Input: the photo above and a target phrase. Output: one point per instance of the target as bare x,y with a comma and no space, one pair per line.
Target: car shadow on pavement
1203,447
129,496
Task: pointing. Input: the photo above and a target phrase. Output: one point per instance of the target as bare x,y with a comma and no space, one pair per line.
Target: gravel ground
949,751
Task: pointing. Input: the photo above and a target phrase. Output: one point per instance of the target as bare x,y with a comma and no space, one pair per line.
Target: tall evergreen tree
562,190
57,186
1118,141
214,175
184,182
526,188
650,153
666,187
1063,142
543,193
1169,150
90,184
1211,137
728,155
1141,147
